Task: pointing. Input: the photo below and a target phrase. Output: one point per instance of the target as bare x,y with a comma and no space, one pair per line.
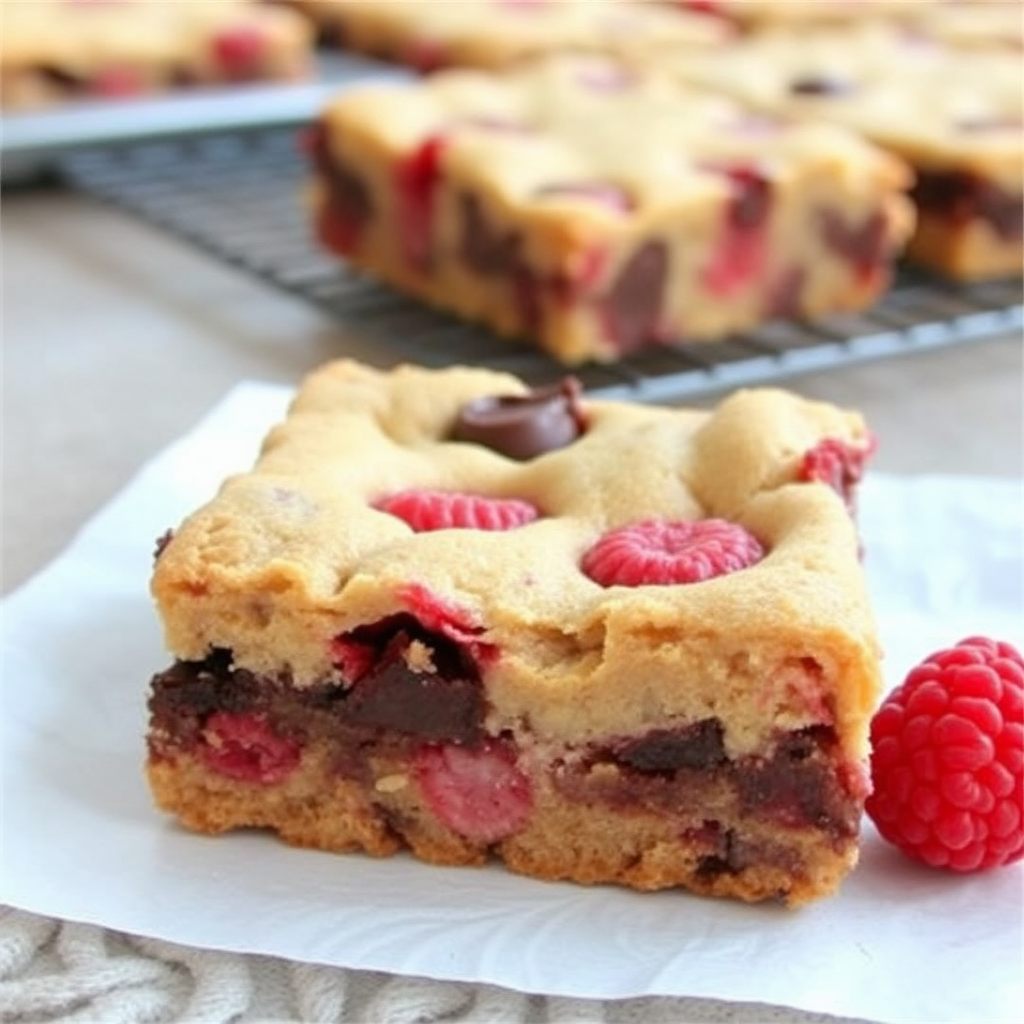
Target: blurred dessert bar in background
498,33
955,114
53,51
598,209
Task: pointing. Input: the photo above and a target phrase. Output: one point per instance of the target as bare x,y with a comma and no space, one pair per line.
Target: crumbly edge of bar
564,841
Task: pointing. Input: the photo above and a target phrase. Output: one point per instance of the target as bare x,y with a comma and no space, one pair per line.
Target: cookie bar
970,23
596,641
954,114
498,33
754,15
597,210
52,51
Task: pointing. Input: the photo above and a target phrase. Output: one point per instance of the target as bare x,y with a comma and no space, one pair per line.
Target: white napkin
82,841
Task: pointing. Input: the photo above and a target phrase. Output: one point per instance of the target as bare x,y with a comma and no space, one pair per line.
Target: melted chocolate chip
785,297
423,703
820,85
631,309
483,248
863,245
348,196
523,426
161,543
62,78
415,683
752,201
667,750
959,197
797,784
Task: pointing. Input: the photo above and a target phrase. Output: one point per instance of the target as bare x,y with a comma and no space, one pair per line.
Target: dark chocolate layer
405,687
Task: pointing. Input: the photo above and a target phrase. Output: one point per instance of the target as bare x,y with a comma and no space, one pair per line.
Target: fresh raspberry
117,82
839,464
479,793
245,747
239,51
426,56
864,246
740,253
670,551
440,615
416,182
947,763
450,510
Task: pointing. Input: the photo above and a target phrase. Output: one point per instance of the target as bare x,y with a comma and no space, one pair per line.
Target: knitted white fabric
53,971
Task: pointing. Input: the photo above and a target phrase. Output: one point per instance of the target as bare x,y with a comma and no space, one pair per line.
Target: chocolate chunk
863,245
667,750
427,704
959,196
785,297
752,200
483,248
524,426
161,543
820,85
798,784
631,309
348,194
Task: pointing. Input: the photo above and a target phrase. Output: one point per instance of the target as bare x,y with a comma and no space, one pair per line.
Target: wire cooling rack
239,196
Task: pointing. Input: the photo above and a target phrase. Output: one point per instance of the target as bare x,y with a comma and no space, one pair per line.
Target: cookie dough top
304,548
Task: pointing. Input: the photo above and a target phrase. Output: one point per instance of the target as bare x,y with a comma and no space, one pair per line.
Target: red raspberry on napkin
948,759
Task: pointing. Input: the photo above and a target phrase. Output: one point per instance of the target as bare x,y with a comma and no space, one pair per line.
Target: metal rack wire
238,196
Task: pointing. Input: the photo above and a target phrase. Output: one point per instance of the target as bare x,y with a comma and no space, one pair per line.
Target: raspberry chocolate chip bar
434,617
597,209
954,114
758,14
498,33
53,51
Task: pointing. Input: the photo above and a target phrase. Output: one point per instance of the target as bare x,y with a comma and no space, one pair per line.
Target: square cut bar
54,51
755,15
599,642
953,112
499,33
597,210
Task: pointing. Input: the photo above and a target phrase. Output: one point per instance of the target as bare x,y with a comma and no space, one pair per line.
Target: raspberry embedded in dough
663,552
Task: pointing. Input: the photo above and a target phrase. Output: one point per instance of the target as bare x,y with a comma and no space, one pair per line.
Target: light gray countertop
117,339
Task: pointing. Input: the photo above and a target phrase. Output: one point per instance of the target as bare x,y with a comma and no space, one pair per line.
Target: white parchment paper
82,841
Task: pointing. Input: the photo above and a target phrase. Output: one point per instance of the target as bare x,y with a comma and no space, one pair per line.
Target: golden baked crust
759,683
